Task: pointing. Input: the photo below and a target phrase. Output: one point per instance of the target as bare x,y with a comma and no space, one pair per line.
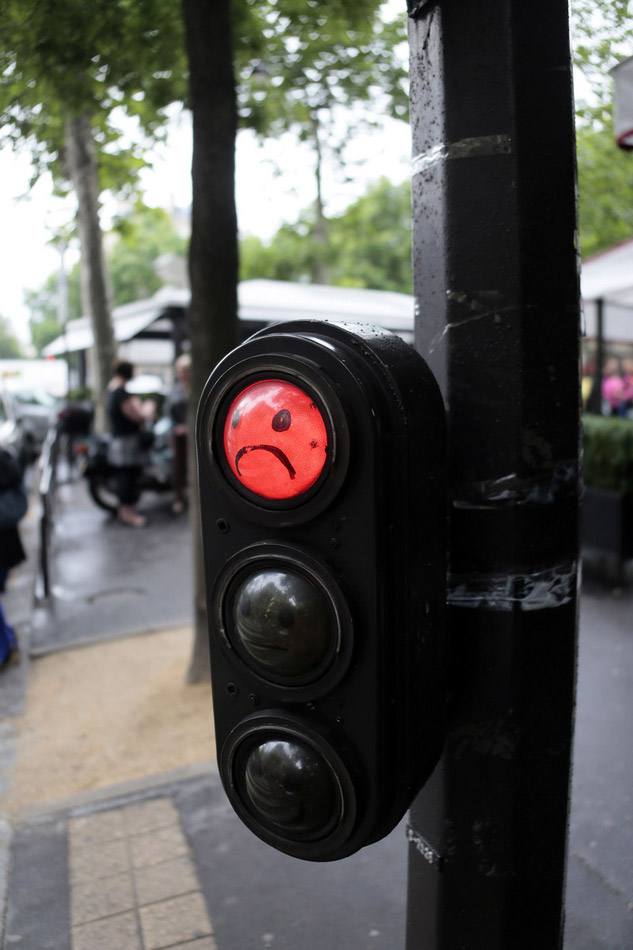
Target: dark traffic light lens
288,783
281,620
291,788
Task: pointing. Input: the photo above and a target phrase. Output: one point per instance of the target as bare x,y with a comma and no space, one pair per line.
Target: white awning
608,277
262,301
273,301
608,274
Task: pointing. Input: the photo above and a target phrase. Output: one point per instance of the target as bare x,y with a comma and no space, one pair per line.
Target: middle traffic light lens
281,620
291,787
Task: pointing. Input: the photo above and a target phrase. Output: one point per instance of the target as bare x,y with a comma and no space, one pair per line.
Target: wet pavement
600,901
108,579
170,863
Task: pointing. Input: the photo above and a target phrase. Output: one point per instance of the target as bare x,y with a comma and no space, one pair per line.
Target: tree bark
95,286
320,269
213,254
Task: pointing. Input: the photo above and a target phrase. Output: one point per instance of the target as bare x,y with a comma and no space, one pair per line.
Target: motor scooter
156,474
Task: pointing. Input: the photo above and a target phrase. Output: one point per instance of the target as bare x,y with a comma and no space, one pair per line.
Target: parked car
35,411
11,431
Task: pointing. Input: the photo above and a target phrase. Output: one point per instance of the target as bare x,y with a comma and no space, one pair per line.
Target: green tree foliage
10,348
139,240
316,57
371,241
69,69
142,238
360,253
43,332
602,34
43,306
104,58
320,62
370,244
287,256
605,190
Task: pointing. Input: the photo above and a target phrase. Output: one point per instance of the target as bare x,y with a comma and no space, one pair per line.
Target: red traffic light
275,439
321,463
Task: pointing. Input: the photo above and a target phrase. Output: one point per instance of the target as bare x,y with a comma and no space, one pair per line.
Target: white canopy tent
607,293
146,328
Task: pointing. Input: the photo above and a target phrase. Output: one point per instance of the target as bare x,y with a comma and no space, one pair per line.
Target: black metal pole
497,302
594,402
599,353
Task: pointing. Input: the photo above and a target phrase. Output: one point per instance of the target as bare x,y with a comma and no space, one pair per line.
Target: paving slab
110,933
37,910
174,921
101,897
79,879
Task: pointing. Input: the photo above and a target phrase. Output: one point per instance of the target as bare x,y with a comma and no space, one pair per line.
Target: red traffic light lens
275,439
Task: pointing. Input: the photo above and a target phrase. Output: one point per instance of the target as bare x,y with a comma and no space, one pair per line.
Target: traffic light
321,455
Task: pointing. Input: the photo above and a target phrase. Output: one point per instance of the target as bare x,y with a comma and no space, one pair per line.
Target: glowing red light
275,439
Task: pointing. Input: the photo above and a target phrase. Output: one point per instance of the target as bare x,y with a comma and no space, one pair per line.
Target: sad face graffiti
275,439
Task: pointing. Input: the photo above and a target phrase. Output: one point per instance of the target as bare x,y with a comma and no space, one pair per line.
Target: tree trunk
95,287
320,269
213,256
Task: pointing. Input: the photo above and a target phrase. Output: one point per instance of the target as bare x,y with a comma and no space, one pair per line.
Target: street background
109,650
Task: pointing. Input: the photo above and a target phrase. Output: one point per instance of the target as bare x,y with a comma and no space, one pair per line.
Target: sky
274,183
29,217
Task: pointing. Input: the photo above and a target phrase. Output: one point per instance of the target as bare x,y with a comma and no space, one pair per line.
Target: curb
36,653
110,795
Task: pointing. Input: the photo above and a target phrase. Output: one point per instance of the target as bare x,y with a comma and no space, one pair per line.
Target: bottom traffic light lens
291,788
288,783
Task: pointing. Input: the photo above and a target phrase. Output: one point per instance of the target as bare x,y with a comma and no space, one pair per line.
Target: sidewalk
160,860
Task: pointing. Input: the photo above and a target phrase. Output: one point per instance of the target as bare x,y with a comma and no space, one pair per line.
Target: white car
11,431
35,413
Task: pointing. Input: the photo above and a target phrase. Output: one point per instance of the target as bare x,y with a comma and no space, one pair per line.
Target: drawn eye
235,419
281,420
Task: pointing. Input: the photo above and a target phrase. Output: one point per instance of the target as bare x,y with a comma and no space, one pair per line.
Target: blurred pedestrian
617,391
128,416
177,405
13,505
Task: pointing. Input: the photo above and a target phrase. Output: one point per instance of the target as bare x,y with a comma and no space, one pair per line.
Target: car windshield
35,398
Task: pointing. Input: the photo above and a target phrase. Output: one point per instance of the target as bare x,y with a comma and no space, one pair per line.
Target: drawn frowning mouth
283,458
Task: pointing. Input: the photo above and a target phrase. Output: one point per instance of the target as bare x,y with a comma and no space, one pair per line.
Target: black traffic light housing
321,457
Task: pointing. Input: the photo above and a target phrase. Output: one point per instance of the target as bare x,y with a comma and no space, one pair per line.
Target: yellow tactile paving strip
133,883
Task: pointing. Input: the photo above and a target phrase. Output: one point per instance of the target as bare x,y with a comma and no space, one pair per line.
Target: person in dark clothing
127,415
177,408
11,554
